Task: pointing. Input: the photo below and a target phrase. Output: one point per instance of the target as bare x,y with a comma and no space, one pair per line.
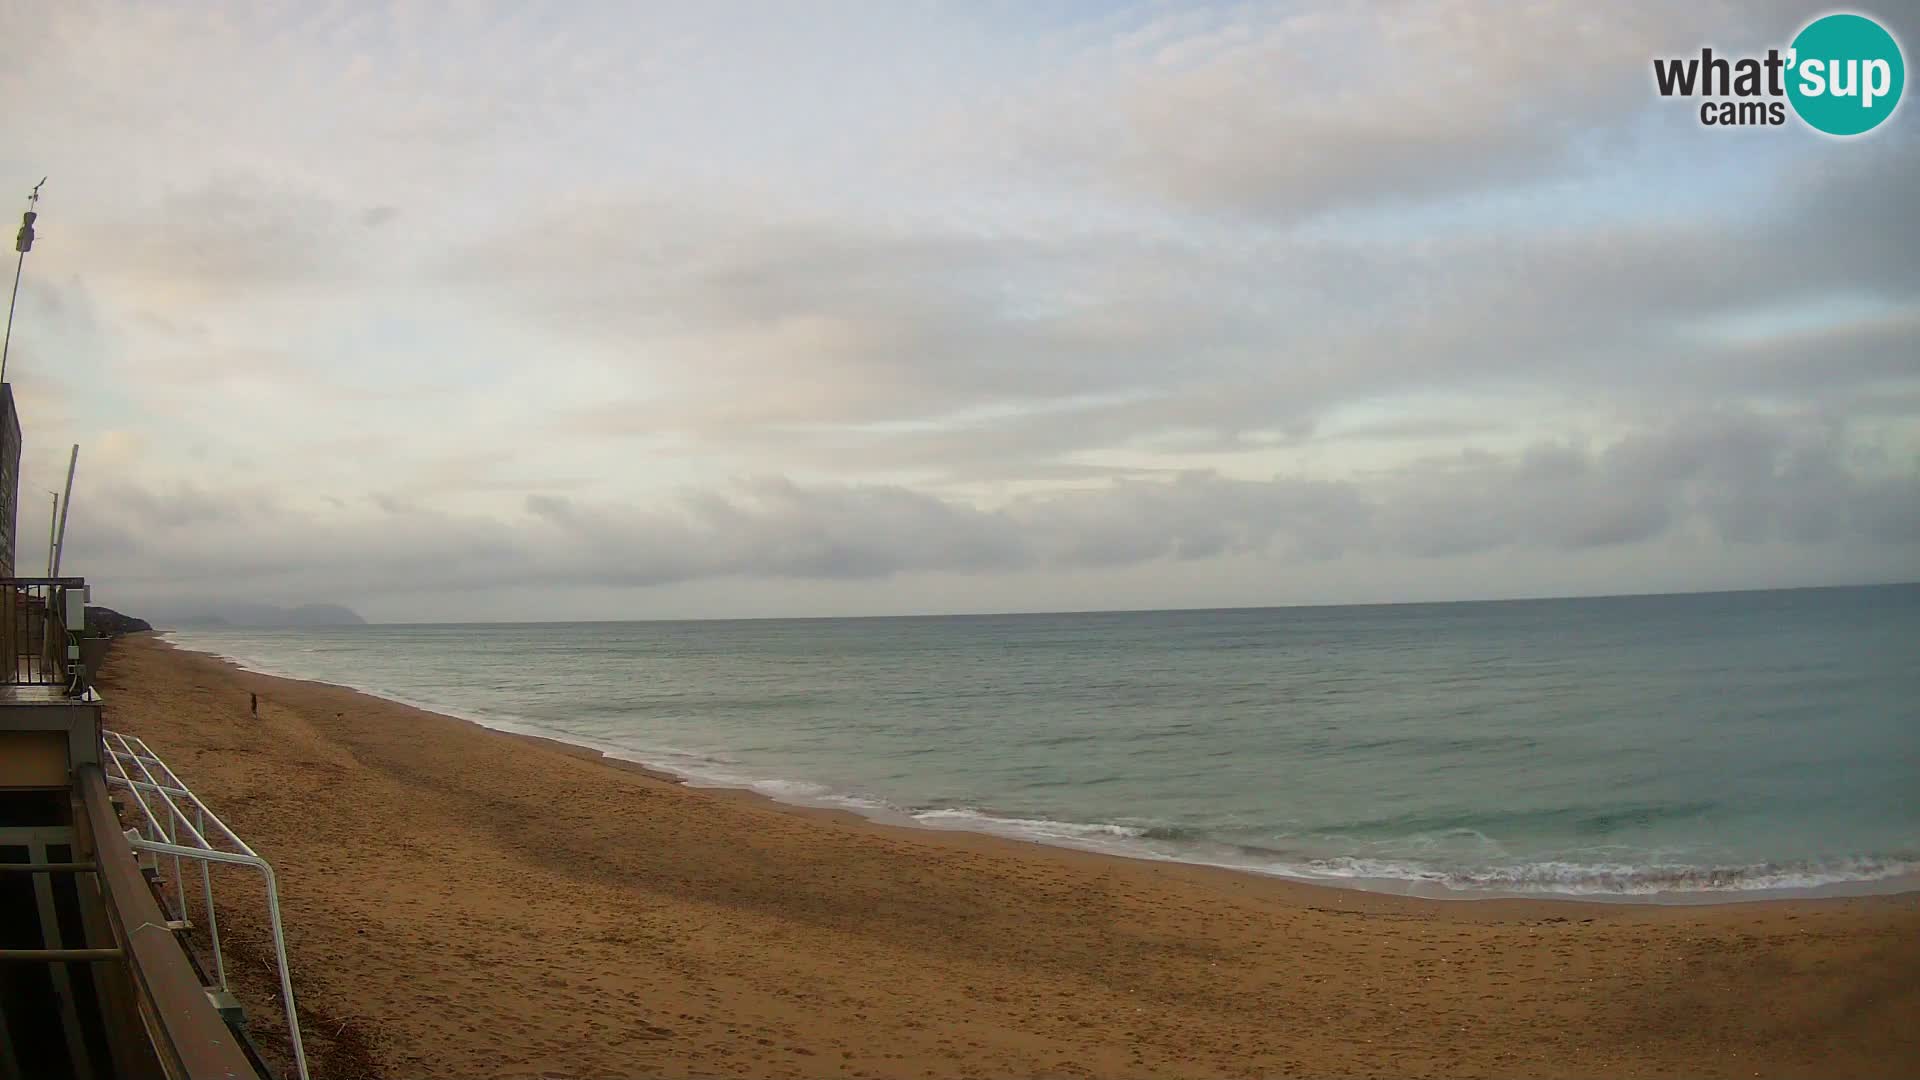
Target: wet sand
465,903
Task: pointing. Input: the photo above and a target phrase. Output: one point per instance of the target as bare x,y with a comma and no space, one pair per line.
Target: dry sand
464,903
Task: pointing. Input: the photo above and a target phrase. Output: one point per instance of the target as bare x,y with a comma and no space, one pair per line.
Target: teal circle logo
1846,73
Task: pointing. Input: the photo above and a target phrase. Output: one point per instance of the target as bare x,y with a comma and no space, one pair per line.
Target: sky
475,311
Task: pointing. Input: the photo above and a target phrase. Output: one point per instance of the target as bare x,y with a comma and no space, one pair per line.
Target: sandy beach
465,903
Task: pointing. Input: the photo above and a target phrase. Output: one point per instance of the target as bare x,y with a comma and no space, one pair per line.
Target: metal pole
22,244
286,976
206,894
66,503
6,346
53,519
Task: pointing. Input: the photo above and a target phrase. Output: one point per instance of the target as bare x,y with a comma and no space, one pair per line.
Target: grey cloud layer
1734,478
1286,112
1019,348
1392,245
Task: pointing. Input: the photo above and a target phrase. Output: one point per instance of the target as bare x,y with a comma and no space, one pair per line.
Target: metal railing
39,646
170,832
169,1005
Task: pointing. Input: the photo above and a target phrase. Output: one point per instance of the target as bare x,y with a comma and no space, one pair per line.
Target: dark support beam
130,1054
58,956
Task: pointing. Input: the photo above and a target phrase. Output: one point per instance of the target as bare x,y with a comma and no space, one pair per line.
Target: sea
1703,747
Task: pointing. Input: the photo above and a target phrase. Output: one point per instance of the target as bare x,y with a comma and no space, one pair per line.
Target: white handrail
167,841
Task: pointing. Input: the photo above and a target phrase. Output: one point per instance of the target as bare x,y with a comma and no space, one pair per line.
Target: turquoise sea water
1702,746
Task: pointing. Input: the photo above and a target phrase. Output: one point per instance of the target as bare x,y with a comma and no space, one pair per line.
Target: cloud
843,344
1285,113
1127,293
1734,478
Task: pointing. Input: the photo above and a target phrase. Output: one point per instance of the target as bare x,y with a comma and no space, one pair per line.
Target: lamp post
22,243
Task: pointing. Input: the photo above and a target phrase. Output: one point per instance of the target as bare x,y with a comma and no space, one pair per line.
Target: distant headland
106,622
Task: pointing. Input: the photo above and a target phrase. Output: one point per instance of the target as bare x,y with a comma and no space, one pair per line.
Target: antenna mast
22,243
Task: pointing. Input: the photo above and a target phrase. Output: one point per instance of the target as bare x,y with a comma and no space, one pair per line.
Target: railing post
206,893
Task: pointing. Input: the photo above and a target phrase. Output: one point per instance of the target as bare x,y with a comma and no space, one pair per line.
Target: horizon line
1086,611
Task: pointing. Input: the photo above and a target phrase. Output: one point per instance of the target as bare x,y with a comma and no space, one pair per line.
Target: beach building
100,848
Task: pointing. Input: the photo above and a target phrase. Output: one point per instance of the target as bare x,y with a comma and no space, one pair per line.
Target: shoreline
882,814
1900,885
462,901
846,817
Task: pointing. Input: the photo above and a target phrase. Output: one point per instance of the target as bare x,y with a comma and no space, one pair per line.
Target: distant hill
267,616
106,622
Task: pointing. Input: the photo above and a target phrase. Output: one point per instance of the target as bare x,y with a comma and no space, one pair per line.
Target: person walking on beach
253,704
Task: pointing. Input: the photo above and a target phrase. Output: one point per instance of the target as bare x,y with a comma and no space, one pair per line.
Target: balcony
43,632
97,978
